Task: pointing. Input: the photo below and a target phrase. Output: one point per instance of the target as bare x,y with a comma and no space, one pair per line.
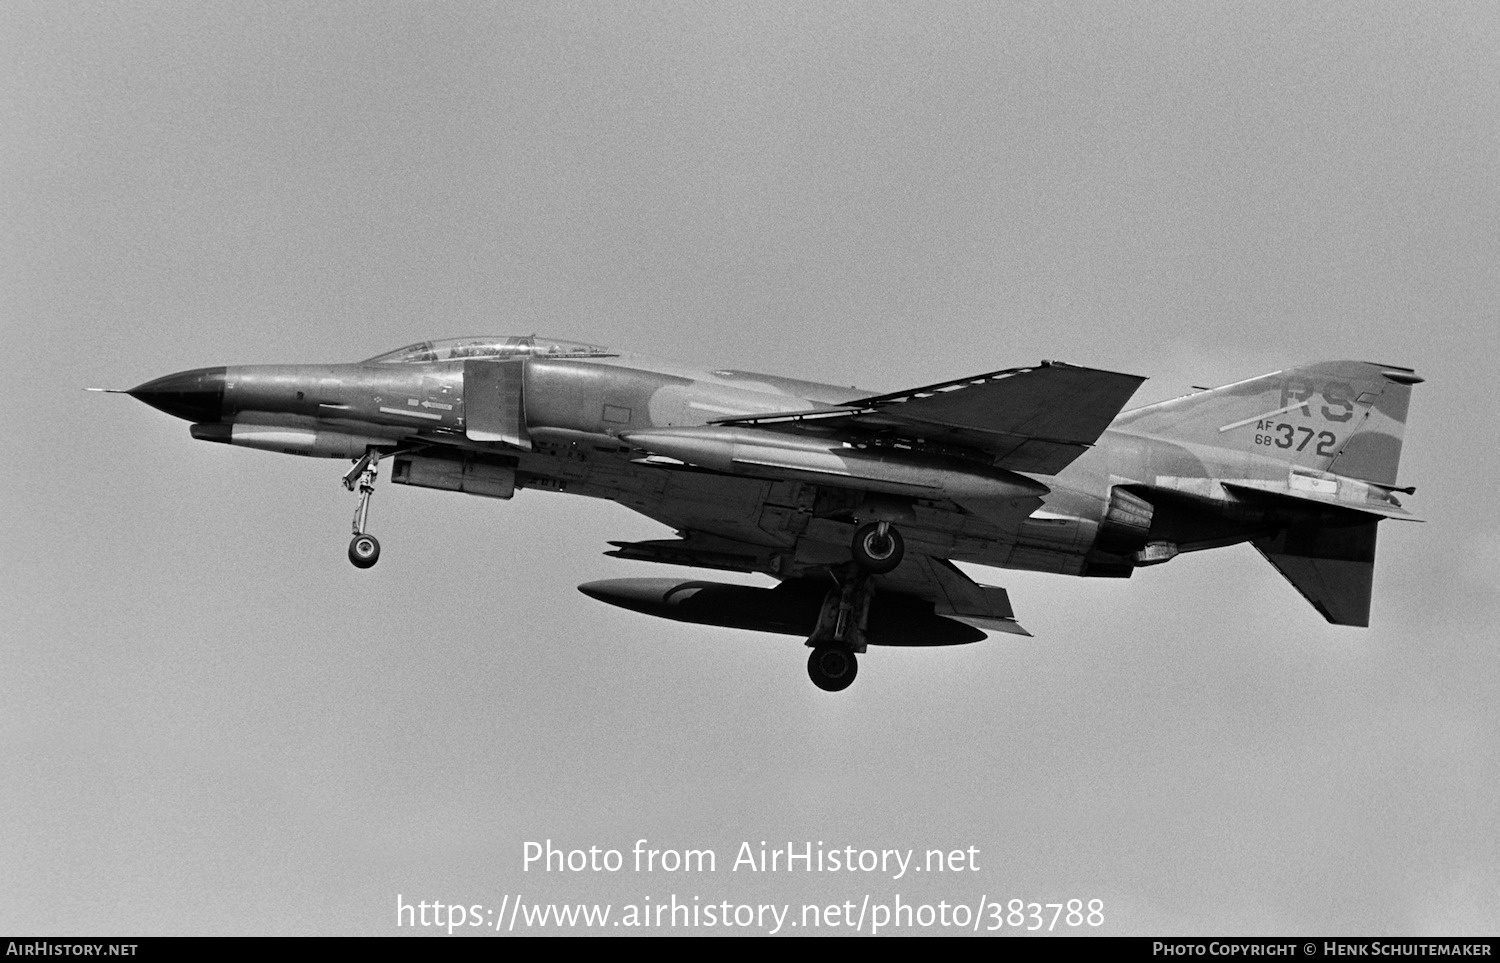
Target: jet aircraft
856,503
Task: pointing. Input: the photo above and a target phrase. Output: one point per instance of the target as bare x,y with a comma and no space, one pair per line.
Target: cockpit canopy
496,348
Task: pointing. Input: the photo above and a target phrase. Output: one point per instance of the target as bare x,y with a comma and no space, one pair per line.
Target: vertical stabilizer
1346,417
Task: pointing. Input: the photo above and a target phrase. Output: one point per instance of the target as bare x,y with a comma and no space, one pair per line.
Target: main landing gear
364,550
840,632
877,548
832,668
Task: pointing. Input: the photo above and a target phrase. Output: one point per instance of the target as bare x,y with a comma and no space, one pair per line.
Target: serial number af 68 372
1282,435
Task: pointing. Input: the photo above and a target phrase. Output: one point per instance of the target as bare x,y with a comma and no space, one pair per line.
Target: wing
1025,419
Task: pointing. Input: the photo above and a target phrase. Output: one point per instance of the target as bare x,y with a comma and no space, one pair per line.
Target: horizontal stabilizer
1332,566
1378,508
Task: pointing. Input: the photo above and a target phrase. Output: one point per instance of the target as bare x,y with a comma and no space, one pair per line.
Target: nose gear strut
364,550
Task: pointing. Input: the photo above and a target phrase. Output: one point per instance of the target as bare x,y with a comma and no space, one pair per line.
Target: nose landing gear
364,550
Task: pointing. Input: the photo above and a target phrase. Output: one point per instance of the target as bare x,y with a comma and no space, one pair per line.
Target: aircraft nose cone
196,395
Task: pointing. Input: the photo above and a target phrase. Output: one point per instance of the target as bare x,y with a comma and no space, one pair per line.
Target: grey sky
213,724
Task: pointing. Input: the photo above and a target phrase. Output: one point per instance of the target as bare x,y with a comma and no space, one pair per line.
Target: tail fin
1346,417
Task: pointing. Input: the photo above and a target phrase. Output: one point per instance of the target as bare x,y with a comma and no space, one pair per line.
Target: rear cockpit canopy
494,348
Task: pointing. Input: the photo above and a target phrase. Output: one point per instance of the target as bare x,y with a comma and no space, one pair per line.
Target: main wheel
832,668
364,551
877,553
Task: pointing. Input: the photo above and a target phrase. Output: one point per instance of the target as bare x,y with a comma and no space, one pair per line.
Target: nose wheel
364,550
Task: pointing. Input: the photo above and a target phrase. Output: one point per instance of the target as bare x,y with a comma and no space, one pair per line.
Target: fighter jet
856,503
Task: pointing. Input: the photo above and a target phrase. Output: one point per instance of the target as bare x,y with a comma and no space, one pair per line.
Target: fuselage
577,421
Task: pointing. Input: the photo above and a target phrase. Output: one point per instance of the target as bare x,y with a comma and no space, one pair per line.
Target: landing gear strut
840,632
364,550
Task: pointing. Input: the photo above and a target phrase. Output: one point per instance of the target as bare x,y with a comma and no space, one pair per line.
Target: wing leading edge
1036,419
